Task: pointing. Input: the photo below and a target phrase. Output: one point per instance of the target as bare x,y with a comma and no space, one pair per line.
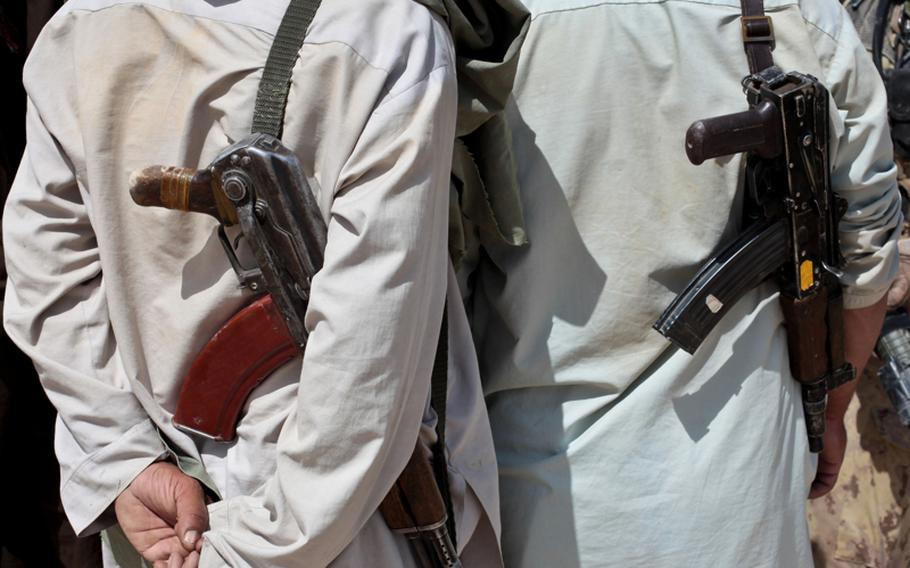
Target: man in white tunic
113,301
616,449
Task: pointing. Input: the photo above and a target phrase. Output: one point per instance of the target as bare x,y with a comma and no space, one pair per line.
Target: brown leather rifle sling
758,35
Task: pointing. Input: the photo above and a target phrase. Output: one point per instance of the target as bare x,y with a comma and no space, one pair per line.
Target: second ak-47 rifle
791,218
258,185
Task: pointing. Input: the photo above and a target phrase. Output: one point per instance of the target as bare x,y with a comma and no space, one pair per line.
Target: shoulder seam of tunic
830,34
732,4
67,10
389,97
352,49
230,23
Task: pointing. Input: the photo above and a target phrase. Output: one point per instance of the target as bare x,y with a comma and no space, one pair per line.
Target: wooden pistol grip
755,130
415,501
246,350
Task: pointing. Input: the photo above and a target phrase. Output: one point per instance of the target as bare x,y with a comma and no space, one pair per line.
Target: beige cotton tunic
113,301
616,450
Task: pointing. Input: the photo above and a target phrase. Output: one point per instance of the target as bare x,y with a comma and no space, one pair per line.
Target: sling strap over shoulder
758,35
272,97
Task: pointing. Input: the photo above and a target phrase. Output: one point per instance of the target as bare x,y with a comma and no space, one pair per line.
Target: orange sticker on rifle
806,275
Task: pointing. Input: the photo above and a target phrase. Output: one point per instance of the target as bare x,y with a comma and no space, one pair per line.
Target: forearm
863,172
861,329
56,311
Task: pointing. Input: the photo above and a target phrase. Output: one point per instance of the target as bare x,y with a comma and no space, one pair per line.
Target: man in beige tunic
616,449
113,301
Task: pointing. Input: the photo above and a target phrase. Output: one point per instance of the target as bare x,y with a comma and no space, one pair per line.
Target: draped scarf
485,206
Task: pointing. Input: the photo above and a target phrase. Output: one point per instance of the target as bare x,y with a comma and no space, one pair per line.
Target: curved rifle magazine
722,281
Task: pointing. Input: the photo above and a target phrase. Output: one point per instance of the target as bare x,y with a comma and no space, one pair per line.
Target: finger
175,561
827,471
822,485
164,549
830,459
192,514
824,481
192,561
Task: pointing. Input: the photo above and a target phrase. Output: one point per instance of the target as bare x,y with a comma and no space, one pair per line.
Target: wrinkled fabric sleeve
863,170
56,311
374,317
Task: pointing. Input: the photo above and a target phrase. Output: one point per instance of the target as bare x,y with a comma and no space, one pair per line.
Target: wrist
839,400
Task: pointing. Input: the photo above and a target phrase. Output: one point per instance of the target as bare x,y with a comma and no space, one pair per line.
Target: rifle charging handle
235,185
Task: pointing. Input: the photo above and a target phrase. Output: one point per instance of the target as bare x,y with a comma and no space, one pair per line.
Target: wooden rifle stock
415,508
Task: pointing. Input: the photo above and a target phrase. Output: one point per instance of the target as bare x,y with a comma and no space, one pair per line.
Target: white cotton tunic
113,301
616,450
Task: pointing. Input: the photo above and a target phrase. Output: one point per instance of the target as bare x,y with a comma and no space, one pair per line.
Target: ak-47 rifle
790,231
258,184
